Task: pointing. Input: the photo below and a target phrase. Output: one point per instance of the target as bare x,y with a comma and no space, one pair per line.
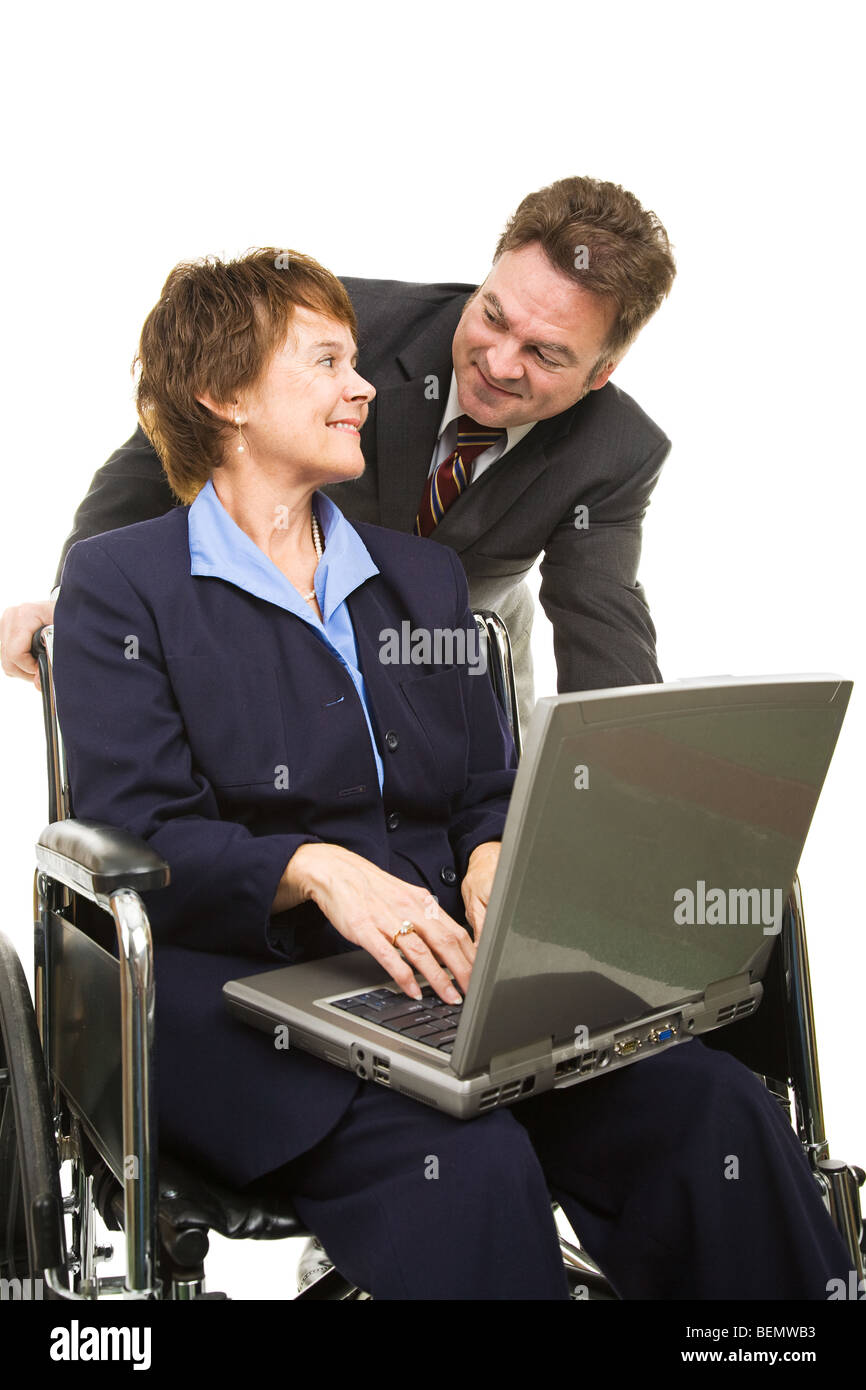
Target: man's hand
478,882
368,906
17,627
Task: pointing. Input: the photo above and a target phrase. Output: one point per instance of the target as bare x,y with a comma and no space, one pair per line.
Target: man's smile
490,385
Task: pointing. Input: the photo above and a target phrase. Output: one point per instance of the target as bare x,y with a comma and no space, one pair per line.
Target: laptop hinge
719,990
534,1057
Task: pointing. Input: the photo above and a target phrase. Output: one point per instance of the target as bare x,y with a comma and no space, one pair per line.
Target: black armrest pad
196,1200
99,859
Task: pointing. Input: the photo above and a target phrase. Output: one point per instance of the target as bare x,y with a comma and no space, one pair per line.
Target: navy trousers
679,1175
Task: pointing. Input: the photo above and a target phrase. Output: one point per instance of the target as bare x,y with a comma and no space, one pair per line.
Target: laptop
651,842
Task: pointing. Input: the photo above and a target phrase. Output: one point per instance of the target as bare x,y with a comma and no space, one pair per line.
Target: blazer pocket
234,720
436,700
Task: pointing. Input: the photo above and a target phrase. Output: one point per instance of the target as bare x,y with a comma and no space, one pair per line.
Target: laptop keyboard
426,1020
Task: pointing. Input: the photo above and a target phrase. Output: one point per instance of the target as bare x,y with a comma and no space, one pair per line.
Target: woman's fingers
478,883
475,911
436,946
401,972
433,946
415,949
369,906
411,954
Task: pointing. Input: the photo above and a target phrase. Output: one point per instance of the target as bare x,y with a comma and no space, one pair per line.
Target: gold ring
402,931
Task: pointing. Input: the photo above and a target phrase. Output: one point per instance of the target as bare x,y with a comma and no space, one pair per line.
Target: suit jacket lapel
407,421
406,429
500,486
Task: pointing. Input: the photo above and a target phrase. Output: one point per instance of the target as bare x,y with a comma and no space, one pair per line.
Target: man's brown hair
212,332
601,238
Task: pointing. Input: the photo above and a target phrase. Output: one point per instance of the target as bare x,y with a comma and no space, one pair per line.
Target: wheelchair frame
65,1108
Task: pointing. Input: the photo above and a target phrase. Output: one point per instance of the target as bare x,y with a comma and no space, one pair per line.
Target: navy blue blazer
221,729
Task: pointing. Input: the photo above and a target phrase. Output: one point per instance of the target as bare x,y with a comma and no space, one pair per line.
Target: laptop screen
652,840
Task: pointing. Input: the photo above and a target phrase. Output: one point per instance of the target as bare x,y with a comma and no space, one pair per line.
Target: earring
242,444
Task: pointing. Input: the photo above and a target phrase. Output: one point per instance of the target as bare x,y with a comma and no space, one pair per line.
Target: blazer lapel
371,616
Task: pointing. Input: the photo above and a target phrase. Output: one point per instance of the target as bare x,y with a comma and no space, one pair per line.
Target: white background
393,140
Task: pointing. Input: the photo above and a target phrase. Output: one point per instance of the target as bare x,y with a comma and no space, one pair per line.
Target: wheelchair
77,1087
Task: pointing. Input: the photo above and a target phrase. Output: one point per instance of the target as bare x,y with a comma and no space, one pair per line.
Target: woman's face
306,411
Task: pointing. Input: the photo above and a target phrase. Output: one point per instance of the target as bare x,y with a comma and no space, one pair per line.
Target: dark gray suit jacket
604,454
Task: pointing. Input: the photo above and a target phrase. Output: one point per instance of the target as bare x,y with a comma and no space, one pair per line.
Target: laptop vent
731,1011
580,1065
502,1095
414,1095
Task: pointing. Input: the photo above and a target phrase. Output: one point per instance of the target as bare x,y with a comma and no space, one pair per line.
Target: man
564,463
496,430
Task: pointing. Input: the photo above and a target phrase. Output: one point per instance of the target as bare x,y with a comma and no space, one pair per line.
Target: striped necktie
453,473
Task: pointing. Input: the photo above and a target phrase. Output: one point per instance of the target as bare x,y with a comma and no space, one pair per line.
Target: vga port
663,1033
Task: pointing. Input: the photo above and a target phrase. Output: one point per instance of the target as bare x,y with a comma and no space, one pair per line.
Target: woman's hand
368,906
478,882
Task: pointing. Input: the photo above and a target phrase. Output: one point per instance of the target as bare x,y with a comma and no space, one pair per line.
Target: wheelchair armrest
97,860
108,866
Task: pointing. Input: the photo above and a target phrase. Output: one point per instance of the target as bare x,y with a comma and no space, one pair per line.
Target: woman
223,693
227,691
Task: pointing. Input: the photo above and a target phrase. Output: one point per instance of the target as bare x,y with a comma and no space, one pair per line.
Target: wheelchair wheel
31,1208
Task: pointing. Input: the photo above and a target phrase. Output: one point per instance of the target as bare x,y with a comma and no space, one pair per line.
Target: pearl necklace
319,546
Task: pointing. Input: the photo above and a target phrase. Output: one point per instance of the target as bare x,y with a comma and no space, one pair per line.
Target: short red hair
212,332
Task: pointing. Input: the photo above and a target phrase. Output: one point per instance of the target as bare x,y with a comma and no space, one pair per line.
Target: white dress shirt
447,441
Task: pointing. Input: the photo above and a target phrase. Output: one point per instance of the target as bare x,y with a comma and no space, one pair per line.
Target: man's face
527,341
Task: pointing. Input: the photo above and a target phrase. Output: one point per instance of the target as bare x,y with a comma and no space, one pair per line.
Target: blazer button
393,820
448,875
391,740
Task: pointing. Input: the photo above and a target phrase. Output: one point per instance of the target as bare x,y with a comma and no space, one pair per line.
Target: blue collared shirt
220,549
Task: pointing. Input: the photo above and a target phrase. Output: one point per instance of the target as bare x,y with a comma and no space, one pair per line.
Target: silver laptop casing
633,810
